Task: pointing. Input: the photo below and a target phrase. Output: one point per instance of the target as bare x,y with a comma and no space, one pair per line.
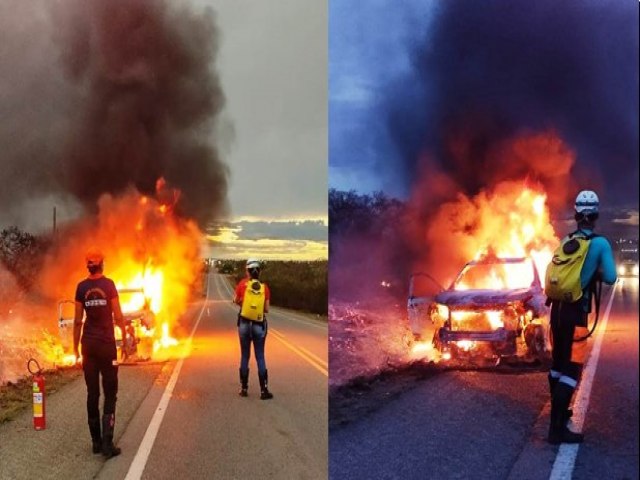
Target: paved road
611,425
207,431
486,425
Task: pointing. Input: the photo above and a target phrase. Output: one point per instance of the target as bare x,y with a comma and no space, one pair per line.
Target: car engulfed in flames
142,338
494,309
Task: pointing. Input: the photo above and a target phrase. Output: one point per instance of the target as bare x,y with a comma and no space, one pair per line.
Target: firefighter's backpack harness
562,279
253,302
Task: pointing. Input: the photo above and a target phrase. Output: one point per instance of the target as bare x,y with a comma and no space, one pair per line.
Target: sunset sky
273,68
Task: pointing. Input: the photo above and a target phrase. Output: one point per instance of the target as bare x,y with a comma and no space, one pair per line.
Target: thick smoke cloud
487,72
109,95
151,98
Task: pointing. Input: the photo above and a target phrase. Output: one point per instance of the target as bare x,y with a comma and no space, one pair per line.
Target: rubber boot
244,383
265,394
558,431
552,384
108,448
96,437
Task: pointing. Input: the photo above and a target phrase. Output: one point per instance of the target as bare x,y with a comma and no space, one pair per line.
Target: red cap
94,257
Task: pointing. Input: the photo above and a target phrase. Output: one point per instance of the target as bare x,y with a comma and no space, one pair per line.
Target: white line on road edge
322,369
567,453
142,455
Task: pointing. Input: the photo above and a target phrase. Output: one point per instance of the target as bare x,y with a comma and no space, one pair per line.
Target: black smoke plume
117,94
486,72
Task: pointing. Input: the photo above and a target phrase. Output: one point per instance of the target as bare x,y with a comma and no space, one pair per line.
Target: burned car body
494,308
139,322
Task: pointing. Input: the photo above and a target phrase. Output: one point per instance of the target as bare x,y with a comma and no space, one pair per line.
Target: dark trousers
98,358
564,319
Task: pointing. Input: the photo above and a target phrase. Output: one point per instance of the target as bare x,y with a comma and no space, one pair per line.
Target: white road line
567,453
227,286
142,455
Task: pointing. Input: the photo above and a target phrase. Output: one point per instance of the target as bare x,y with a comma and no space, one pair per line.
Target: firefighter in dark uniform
569,319
97,297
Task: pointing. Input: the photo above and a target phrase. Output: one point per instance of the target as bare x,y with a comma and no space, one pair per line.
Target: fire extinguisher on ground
39,415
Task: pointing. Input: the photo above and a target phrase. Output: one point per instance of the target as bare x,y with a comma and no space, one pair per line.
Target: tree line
300,285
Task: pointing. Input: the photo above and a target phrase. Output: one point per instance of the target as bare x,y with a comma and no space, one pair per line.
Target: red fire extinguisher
39,415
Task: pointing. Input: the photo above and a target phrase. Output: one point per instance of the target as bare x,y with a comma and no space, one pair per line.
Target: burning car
139,325
494,308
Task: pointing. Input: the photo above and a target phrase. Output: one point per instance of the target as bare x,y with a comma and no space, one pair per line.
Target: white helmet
253,263
587,202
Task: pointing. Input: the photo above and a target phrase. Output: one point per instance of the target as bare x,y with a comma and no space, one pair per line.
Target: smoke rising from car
100,96
486,73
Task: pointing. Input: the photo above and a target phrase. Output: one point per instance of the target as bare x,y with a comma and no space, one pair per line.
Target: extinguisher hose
38,371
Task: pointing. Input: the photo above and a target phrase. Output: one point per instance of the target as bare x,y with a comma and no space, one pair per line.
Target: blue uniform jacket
599,258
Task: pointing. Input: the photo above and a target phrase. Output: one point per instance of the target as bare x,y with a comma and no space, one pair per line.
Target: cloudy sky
271,133
273,68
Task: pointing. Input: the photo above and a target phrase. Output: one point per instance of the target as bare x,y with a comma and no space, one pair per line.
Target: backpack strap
583,234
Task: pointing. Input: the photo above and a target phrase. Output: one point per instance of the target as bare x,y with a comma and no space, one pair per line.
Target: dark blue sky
404,75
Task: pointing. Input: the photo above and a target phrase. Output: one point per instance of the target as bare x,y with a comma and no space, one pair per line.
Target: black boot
244,383
568,413
265,394
96,438
558,431
108,448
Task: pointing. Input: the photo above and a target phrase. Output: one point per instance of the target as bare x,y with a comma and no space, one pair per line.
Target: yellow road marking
318,365
312,355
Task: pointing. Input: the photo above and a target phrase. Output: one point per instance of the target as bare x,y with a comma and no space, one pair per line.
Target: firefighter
253,297
97,297
566,318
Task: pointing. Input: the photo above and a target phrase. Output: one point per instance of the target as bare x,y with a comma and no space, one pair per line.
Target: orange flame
512,220
149,252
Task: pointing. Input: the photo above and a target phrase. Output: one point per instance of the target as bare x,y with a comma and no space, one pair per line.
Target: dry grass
15,397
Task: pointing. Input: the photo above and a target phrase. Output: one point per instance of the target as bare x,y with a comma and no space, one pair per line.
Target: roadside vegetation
16,396
296,285
369,247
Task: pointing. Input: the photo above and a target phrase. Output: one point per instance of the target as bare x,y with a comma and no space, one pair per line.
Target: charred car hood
480,298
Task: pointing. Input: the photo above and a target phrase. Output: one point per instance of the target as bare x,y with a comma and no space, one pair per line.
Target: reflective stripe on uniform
569,381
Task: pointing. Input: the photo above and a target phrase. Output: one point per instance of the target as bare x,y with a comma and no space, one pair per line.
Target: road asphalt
207,430
484,425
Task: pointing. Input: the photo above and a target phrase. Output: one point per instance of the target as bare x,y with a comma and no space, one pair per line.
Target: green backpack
562,280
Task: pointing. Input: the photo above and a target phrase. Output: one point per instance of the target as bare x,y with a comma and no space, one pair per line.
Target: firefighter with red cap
253,297
97,299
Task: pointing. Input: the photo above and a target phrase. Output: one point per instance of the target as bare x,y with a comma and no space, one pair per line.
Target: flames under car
493,309
139,322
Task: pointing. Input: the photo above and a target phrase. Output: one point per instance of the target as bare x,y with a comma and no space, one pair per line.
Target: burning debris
138,158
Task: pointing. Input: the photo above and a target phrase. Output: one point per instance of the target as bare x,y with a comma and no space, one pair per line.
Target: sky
268,103
403,76
273,68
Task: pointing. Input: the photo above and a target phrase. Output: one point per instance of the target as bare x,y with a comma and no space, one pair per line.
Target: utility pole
54,221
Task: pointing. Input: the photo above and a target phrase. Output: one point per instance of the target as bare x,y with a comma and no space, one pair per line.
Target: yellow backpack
253,302
562,280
